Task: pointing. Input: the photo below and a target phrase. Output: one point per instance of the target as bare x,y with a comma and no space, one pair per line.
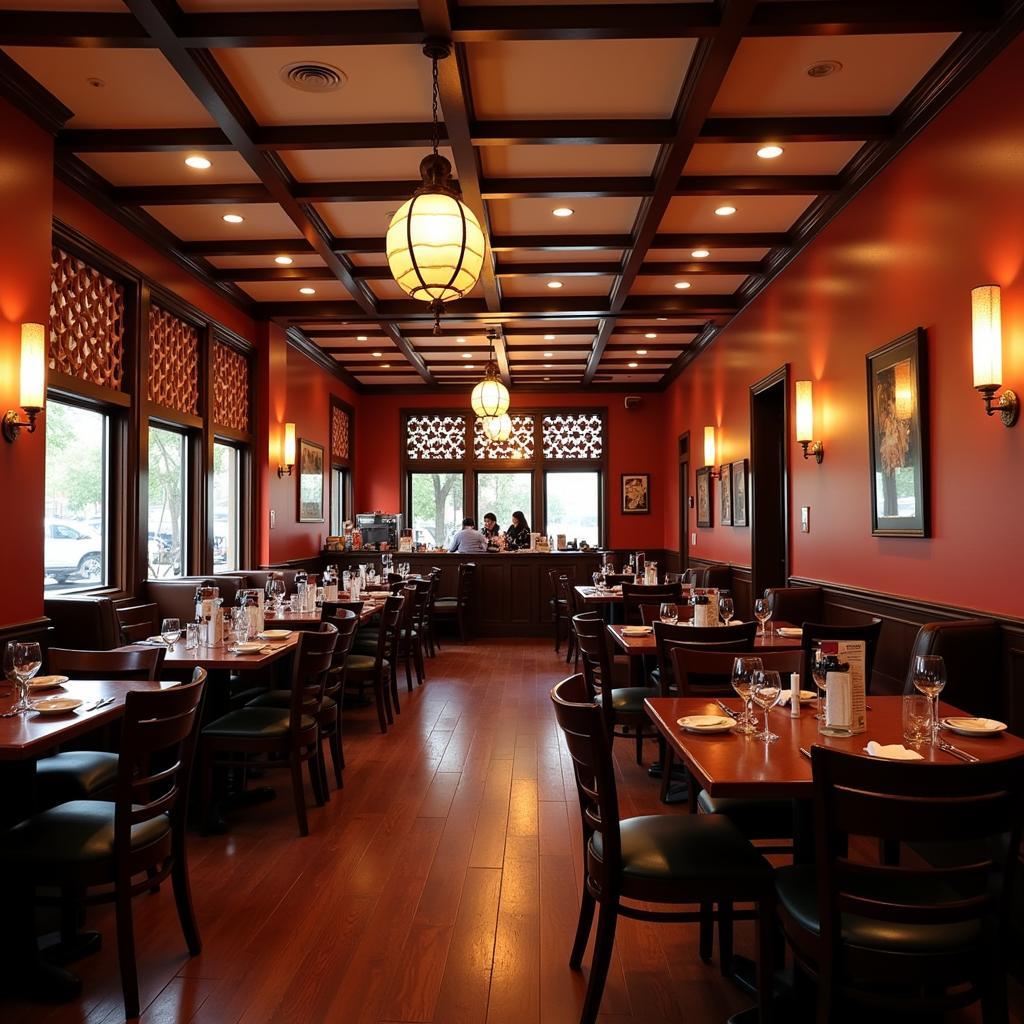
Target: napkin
785,695
892,751
789,631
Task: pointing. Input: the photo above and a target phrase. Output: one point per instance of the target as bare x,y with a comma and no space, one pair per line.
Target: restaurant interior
496,525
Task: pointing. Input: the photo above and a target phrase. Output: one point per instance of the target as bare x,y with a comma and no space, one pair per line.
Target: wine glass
170,631
26,660
743,671
597,580
819,674
762,612
765,690
726,608
929,679
668,613
276,590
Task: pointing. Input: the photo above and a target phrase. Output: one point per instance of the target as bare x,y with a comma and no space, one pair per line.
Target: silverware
729,711
806,753
957,752
11,714
96,705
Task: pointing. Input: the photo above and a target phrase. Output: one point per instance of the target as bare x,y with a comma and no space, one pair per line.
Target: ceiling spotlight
198,163
467,355
554,284
385,366
633,366
233,218
361,337
641,351
548,355
470,366
682,285
376,355
284,261
662,317
547,378
562,211
461,341
549,337
307,291
547,366
770,152
725,211
651,334
699,254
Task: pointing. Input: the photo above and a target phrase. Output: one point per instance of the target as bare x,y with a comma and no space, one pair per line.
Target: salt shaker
794,695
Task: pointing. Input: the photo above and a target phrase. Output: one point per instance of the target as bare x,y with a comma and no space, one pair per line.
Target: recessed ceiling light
662,317
682,285
547,378
307,291
699,254
554,284
470,366
725,211
467,355
461,341
361,337
562,211
633,366
549,337
233,218
198,163
376,355
641,351
770,152
548,355
284,261
651,335
385,366
824,68
547,366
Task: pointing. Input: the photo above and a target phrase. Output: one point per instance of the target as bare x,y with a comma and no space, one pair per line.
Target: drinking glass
276,591
917,718
240,622
762,612
766,689
726,608
820,677
26,660
743,671
597,580
170,631
191,635
668,613
929,679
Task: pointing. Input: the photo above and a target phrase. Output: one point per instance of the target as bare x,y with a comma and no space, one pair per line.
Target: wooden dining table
639,645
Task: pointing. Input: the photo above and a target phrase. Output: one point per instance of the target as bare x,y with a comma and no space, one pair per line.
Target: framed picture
636,493
704,497
739,493
898,437
725,498
311,482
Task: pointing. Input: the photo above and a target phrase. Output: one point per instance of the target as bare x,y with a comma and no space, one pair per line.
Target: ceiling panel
517,216
192,223
264,262
398,164
169,168
567,161
714,255
520,256
63,5
358,219
288,291
598,284
797,158
207,6
700,284
753,213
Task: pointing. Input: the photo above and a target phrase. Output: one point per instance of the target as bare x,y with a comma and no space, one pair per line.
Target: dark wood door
769,481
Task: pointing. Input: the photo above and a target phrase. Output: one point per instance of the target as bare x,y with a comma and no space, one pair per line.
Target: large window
436,504
573,506
339,493
503,494
75,524
168,469
226,507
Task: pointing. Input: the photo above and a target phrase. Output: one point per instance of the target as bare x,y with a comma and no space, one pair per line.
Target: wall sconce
33,381
709,452
987,342
287,451
805,421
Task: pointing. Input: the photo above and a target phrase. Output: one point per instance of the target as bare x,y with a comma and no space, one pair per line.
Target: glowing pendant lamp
497,428
490,397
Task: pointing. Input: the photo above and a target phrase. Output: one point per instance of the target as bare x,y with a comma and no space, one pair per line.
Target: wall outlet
805,518
693,540
273,519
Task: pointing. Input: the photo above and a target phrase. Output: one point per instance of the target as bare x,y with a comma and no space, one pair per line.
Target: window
573,505
339,492
436,504
503,494
226,507
75,527
168,465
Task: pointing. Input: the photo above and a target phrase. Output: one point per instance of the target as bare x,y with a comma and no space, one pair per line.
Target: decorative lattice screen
520,443
339,433
573,436
230,388
435,437
86,322
173,362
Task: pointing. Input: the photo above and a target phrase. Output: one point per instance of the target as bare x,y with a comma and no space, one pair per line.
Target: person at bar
492,532
469,540
517,536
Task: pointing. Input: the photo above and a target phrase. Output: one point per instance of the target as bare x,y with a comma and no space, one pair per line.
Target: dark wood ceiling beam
249,247
501,356
142,140
565,188
582,132
585,269
93,30
191,195
395,135
260,274
795,129
300,28
559,243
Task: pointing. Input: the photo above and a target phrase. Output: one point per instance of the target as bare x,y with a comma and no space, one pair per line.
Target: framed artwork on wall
898,437
739,493
704,518
725,498
636,493
311,482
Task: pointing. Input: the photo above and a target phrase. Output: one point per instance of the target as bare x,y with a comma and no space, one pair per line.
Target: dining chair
291,734
112,850
651,613
456,609
736,637
137,622
432,644
378,669
85,774
558,582
901,939
635,594
657,858
796,604
869,632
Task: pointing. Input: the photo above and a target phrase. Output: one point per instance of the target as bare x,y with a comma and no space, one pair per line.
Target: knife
729,711
957,752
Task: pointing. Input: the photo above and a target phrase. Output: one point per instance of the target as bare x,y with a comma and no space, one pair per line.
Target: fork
957,752
728,710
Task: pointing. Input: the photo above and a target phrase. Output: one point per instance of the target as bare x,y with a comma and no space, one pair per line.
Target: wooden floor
441,885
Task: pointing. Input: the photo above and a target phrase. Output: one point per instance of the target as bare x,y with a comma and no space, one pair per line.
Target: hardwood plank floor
441,885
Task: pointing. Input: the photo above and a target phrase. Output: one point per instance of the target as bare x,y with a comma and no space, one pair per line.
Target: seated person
518,534
469,540
492,532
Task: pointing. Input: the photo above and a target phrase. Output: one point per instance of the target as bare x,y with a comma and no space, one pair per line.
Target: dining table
638,645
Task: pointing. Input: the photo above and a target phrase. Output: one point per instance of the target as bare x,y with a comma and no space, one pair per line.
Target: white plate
806,696
247,648
637,630
47,682
790,631
275,634
56,705
706,723
974,726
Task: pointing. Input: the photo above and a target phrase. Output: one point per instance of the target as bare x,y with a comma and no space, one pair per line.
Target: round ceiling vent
310,77
824,68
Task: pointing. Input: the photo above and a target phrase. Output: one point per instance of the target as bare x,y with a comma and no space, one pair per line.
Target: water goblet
170,631
766,689
762,612
26,660
726,608
668,613
743,671
929,679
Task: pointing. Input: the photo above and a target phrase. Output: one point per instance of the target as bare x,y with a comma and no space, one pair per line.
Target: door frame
781,375
683,451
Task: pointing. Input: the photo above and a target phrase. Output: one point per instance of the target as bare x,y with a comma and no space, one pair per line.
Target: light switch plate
693,540
805,518
273,519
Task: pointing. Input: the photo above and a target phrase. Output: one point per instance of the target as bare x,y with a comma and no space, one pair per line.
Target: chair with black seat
87,774
106,845
719,576
636,594
429,633
621,705
661,859
137,622
911,938
694,577
616,579
291,733
651,613
378,669
456,609
869,632
558,580
796,604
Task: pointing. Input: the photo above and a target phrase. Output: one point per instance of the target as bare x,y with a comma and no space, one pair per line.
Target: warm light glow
547,366
549,337
288,448
197,163
562,211
682,285
709,446
548,355
376,355
986,318
554,284
307,291
804,410
233,218
903,390
725,211
467,355
490,396
284,261
497,428
461,341
33,366
362,337
641,351
385,366
699,254
651,335
770,152
633,366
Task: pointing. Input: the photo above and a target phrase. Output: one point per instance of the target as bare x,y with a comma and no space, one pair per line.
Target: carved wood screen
87,322
340,430
230,388
435,437
519,445
173,362
573,436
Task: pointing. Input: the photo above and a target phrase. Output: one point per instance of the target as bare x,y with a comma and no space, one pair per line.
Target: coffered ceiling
644,120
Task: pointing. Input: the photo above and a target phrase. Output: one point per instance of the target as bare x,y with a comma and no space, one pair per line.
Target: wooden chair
618,579
796,604
737,637
378,670
456,609
86,845
291,733
559,581
635,594
896,939
651,613
137,622
86,774
660,859
430,641
869,632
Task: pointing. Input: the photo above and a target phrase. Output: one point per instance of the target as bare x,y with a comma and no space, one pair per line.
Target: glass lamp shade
288,448
709,446
497,428
490,396
987,336
33,366
804,410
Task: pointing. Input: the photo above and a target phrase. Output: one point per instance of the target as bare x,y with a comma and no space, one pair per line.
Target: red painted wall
946,215
26,177
635,444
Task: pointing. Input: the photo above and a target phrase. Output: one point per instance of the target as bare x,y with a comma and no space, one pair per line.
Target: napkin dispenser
845,687
209,615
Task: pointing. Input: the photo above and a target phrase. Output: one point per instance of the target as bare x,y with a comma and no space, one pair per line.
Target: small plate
249,647
806,696
789,631
637,630
275,634
56,705
706,723
974,726
47,682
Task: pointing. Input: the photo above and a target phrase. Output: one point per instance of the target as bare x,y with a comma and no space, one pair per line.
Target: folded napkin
637,630
892,751
789,631
804,696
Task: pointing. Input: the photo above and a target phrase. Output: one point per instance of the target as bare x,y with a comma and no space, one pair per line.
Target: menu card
846,701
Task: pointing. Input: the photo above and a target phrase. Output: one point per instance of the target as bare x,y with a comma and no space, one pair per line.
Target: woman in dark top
518,534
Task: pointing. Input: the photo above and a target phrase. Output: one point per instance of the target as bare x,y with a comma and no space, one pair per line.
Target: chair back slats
467,571
651,613
134,665
595,655
869,632
388,633
737,638
313,656
331,609
635,594
703,673
137,622
346,623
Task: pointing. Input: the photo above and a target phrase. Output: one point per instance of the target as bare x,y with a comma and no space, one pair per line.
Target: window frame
602,492
482,511
338,462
